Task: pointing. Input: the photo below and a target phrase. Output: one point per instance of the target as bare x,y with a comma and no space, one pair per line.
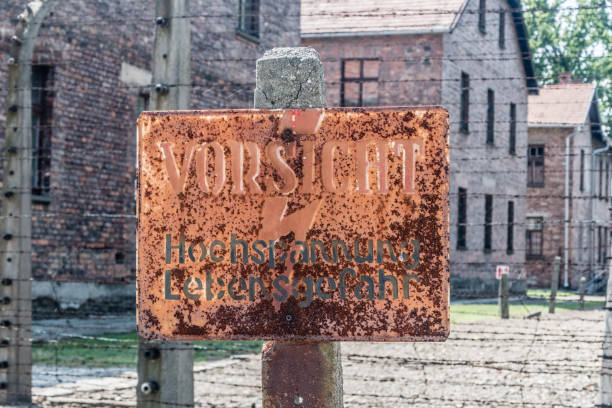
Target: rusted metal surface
244,217
292,374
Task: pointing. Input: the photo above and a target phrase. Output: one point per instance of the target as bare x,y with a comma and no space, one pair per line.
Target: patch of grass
467,313
545,293
115,350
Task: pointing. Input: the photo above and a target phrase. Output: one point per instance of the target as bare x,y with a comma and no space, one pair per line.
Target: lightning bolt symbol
275,224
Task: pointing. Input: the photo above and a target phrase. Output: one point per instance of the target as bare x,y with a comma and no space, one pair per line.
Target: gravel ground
553,361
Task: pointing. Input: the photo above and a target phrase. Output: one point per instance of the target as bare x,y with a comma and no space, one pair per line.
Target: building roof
562,105
352,17
343,18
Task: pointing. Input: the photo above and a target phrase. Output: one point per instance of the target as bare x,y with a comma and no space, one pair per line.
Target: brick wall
548,202
423,69
409,65
87,230
476,165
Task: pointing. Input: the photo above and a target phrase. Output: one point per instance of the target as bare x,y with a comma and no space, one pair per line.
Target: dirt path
554,361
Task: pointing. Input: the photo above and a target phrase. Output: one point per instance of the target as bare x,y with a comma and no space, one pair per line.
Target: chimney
565,78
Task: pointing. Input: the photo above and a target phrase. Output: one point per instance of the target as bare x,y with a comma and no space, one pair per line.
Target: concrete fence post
16,230
582,291
554,284
504,295
297,373
165,369
605,389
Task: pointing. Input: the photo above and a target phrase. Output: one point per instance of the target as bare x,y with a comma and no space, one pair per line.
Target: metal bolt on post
296,373
582,291
165,369
504,295
554,284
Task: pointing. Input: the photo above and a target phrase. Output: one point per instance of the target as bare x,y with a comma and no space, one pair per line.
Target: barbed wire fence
546,360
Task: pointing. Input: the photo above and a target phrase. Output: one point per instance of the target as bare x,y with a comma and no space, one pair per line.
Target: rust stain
327,224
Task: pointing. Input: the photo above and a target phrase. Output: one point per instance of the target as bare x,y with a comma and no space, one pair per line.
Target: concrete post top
290,78
291,52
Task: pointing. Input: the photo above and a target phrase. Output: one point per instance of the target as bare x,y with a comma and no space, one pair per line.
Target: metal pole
582,291
554,284
297,373
16,243
592,210
504,295
165,369
567,222
605,389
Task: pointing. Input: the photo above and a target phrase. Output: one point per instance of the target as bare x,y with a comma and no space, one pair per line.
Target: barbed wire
531,367
120,16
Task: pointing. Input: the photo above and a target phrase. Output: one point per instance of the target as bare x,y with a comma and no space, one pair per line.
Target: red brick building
568,184
472,58
92,65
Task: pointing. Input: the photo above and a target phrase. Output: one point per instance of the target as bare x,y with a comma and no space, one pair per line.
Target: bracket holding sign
328,224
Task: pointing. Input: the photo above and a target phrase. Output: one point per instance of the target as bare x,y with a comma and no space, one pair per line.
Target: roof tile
351,17
565,104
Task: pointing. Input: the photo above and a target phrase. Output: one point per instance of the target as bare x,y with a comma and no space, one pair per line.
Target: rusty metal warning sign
294,224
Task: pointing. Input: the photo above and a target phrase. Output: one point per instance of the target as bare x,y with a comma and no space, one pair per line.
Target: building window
465,103
490,116
535,166
607,181
461,218
604,255
599,244
42,119
482,15
359,85
535,231
512,136
248,18
119,258
502,29
488,227
600,177
510,234
580,243
582,170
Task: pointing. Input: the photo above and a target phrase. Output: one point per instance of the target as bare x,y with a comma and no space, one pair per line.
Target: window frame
599,244
482,16
530,172
510,229
464,113
501,40
530,254
581,170
600,178
488,223
248,22
42,131
605,245
462,218
360,80
490,117
607,187
512,131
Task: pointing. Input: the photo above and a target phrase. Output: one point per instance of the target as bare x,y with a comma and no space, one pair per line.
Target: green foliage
573,36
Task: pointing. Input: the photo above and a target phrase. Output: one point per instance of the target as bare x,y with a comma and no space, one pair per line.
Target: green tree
573,36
